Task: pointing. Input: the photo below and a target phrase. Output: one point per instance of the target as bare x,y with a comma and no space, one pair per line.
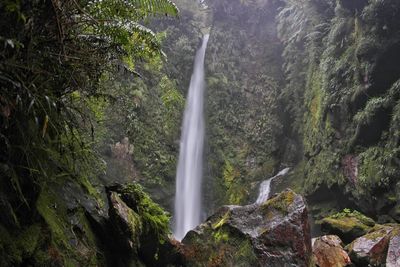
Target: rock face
328,252
275,233
371,248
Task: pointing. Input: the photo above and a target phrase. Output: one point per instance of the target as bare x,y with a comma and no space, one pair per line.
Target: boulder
140,229
127,224
275,233
393,254
328,252
370,249
348,225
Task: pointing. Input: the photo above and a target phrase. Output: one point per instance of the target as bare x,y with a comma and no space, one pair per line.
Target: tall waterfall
190,166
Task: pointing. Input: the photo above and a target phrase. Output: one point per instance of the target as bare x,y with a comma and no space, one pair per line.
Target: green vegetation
55,58
342,99
154,219
89,100
280,203
347,224
244,126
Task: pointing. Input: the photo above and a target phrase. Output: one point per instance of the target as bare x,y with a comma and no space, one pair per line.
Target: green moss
347,224
376,234
154,219
221,236
54,213
56,218
280,202
92,191
347,213
222,221
233,182
315,103
133,220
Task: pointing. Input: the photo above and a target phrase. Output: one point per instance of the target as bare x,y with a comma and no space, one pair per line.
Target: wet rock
328,251
127,224
371,248
347,225
275,233
140,229
393,254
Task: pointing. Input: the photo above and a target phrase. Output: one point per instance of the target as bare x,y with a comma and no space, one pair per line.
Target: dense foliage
244,123
54,56
343,95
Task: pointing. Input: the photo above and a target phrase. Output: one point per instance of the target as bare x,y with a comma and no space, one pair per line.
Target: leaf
45,125
31,105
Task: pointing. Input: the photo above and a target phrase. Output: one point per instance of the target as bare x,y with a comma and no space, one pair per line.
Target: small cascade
188,208
265,186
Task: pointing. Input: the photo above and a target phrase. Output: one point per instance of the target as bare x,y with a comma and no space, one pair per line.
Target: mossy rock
371,249
281,202
142,227
69,238
348,225
275,233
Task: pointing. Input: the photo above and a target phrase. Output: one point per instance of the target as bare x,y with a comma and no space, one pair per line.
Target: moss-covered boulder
128,225
348,225
139,229
275,233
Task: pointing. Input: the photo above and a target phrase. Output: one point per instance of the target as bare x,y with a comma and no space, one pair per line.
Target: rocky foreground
131,230
277,233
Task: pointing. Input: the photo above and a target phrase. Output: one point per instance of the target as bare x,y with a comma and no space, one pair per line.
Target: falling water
265,187
190,165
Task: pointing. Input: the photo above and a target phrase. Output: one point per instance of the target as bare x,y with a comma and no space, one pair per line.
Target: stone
371,248
348,225
127,222
393,254
139,229
275,233
328,252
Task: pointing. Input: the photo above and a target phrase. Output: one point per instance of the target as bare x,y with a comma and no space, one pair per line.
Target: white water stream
265,187
188,208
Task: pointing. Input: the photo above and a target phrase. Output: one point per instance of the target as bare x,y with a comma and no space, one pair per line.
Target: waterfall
190,165
265,187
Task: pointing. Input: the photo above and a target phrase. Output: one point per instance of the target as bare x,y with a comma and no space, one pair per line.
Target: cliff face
342,93
307,84
244,122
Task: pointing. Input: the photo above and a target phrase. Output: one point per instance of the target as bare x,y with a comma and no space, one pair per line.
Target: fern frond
154,7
